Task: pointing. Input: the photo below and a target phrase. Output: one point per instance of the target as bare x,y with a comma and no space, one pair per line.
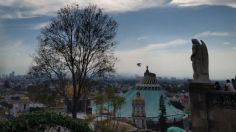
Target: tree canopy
77,44
162,117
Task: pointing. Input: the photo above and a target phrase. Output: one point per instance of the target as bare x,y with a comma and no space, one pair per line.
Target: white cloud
234,48
15,55
39,25
189,2
126,5
162,58
211,34
231,3
159,46
142,38
29,8
226,43
170,44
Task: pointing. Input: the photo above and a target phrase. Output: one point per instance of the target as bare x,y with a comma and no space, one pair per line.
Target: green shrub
39,121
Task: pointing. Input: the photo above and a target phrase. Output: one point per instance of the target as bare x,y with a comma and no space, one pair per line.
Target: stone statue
200,62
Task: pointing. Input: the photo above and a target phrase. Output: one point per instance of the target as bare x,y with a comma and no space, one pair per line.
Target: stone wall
197,93
212,111
221,111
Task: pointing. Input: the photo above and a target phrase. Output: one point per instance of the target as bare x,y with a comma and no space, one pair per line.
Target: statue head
195,41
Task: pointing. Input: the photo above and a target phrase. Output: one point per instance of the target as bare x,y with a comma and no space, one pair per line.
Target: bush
39,122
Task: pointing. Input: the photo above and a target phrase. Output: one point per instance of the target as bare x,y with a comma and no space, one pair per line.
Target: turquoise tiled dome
151,98
150,91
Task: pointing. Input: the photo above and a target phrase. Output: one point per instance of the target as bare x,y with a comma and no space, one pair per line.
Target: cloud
234,48
170,44
227,43
142,38
14,55
184,3
211,34
39,25
159,46
31,8
126,5
163,58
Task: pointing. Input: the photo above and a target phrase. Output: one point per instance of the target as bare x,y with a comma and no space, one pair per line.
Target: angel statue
200,62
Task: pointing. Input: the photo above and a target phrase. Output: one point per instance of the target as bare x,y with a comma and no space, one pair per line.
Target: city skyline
154,32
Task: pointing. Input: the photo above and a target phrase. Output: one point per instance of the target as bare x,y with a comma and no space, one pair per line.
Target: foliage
99,101
77,44
6,105
39,122
117,102
109,125
42,95
162,117
89,118
109,102
109,99
151,124
177,105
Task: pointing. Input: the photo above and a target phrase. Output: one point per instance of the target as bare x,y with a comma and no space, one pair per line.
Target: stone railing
221,99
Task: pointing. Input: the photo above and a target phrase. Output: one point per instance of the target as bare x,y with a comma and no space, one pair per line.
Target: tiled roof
151,98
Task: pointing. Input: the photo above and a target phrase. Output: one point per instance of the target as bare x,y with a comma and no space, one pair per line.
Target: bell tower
138,112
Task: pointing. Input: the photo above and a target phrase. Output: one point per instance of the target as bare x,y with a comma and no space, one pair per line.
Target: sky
156,33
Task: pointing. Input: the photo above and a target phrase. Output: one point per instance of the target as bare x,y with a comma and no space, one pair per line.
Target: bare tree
78,45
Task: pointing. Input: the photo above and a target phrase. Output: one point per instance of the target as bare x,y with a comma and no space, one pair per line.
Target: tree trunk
74,99
74,114
74,108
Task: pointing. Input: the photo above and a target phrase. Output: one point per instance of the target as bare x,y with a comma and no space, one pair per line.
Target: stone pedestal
198,99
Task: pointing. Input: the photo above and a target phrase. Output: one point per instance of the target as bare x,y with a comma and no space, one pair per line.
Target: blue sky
154,32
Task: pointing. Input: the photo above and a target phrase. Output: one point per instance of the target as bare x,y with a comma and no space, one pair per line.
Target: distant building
149,92
20,104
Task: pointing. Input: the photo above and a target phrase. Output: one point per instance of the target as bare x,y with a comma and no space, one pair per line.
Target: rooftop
149,78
